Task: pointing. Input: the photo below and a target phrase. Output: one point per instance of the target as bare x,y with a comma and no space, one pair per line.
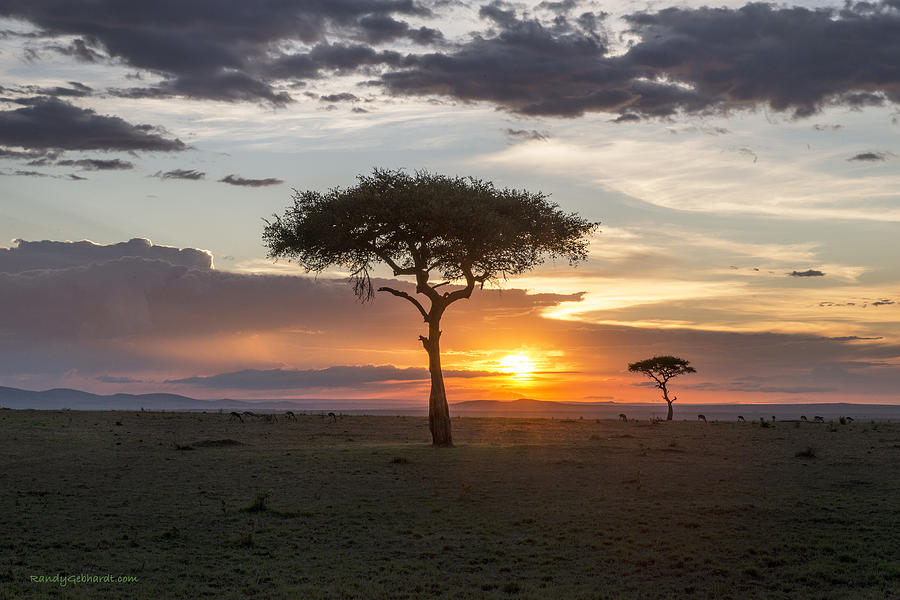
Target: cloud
236,180
113,379
527,134
342,97
77,90
137,310
85,291
222,52
692,60
50,255
807,273
337,376
180,174
97,164
45,123
869,157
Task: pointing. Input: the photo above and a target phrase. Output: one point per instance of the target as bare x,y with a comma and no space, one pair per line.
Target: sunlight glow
519,366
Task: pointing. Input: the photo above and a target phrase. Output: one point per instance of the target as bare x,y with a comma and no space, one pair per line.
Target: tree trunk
666,398
438,410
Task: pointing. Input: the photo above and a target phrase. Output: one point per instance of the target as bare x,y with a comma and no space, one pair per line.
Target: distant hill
62,398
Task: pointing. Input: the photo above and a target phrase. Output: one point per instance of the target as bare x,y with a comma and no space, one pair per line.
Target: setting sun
520,366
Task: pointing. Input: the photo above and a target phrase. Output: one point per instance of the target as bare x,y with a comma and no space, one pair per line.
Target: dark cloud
331,58
222,51
77,90
236,180
527,134
32,154
342,97
180,174
869,157
79,49
683,60
761,385
228,86
882,302
84,291
97,164
49,255
337,376
46,123
807,273
380,28
24,173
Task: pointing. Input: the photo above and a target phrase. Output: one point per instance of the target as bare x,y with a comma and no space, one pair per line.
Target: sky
742,160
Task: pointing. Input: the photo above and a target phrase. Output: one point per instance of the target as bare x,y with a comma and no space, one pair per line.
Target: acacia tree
463,231
661,369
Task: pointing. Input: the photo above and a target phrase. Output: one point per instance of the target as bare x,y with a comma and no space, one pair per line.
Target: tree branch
466,291
397,269
400,294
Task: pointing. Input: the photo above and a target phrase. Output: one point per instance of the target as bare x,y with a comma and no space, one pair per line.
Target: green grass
365,508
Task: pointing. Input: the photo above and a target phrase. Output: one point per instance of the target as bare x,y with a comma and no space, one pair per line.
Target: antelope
818,419
849,419
803,418
701,418
237,416
247,413
622,417
741,419
290,415
270,418
333,417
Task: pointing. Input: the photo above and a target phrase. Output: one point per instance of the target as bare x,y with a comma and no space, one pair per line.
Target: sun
520,366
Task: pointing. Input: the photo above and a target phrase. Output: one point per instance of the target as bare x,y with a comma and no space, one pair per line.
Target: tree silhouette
661,369
464,230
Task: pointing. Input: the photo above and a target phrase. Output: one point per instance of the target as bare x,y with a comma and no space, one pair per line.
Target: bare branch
401,294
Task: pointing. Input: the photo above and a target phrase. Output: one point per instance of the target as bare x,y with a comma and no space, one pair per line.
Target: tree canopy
461,228
662,368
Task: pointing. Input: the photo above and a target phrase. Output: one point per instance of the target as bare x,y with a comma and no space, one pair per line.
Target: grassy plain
365,508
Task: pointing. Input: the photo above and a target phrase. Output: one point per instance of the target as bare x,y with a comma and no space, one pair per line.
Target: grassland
196,506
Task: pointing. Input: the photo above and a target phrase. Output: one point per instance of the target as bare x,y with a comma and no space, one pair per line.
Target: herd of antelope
273,418
741,419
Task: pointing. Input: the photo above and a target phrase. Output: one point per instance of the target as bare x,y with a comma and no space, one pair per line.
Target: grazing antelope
741,419
333,417
289,415
818,419
803,418
270,418
237,416
701,418
849,419
622,417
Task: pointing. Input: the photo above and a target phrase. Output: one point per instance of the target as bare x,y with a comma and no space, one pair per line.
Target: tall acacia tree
661,369
461,230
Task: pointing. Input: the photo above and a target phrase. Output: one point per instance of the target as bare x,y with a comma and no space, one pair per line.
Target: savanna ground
365,508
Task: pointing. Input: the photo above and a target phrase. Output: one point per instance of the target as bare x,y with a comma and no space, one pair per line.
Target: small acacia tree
661,369
426,225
